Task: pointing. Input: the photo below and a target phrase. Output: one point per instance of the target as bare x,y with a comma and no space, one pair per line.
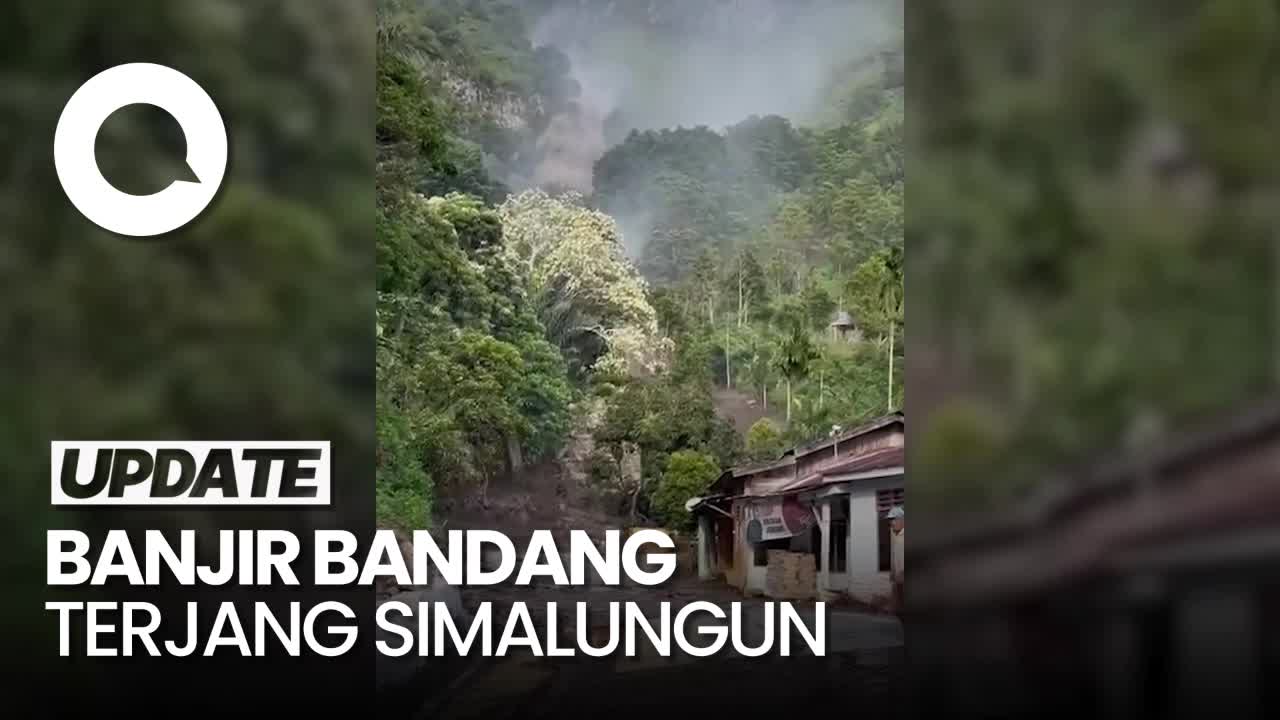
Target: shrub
764,440
687,475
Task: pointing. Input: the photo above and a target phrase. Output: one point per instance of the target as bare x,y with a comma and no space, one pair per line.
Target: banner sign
777,518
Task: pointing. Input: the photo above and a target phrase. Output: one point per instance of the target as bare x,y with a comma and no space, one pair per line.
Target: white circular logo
77,166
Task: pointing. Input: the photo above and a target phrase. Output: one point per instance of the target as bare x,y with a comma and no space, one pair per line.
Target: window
885,500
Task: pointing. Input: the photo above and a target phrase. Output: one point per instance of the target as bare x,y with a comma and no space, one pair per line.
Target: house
844,328
1140,584
811,523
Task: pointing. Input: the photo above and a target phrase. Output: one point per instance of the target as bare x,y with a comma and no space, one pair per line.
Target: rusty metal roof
863,429
1201,485
1071,489
791,454
882,459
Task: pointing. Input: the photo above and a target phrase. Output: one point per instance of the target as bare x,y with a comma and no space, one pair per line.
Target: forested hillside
562,275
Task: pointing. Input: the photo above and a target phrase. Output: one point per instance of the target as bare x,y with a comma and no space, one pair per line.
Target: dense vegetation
250,323
1092,232
498,91
759,236
703,257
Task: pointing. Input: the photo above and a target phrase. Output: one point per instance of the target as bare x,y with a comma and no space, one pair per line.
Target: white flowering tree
588,294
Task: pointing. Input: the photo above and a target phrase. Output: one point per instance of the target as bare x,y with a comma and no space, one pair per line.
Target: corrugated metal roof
884,458
790,456
863,429
1072,488
1202,487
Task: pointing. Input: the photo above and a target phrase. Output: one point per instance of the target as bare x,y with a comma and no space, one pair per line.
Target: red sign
777,518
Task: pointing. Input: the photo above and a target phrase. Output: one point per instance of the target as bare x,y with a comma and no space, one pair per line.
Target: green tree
687,475
759,364
765,440
582,284
749,284
796,355
706,284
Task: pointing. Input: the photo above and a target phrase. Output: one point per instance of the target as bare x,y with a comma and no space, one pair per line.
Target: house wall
766,482
736,574
756,576
744,575
864,581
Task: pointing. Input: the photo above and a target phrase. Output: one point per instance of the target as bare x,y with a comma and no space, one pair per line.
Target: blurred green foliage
250,323
1092,229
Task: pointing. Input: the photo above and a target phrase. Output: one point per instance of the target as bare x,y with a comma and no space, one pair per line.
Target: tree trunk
822,387
766,396
892,332
728,372
788,401
515,458
741,305
635,499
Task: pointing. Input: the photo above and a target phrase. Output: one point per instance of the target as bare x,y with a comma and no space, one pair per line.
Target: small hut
844,328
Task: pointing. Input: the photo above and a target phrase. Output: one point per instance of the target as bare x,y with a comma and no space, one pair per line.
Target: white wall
864,581
705,540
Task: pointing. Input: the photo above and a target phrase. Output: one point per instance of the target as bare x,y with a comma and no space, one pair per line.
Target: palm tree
795,357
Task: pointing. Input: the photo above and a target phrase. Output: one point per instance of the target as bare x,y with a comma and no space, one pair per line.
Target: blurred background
1092,291
253,322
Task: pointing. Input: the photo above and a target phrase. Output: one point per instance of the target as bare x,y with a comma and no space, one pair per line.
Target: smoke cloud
669,63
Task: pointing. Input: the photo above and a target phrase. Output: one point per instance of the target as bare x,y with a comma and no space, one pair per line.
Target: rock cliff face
508,110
